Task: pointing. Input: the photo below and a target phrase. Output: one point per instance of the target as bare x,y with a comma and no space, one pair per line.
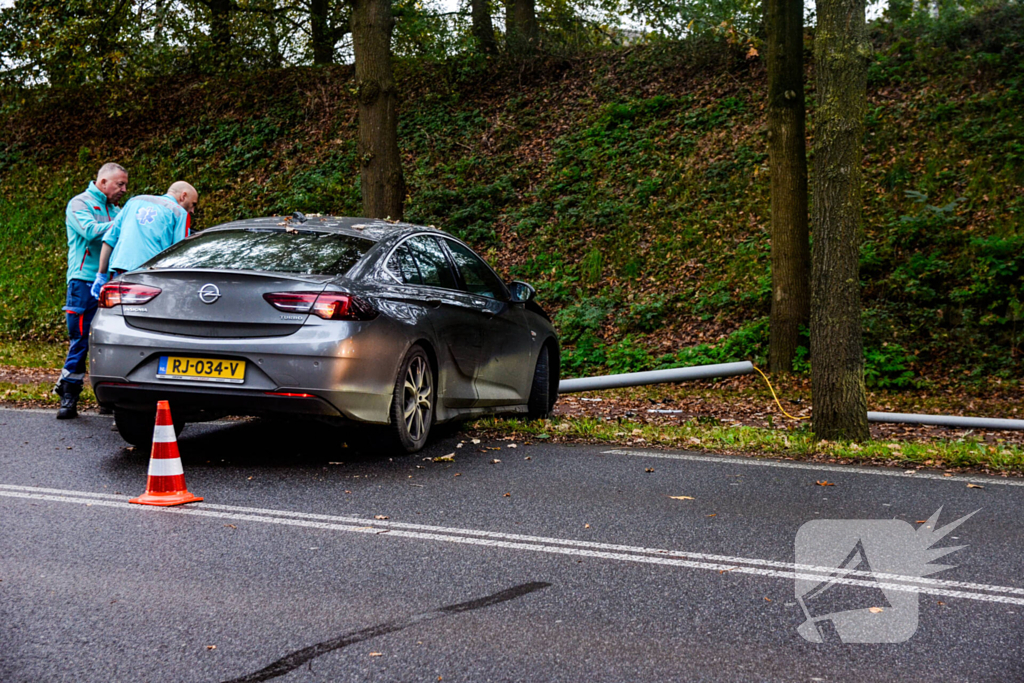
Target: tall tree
483,27
837,358
380,178
521,29
328,23
220,21
321,38
787,158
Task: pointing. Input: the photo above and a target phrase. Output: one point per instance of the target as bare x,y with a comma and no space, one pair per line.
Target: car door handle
433,303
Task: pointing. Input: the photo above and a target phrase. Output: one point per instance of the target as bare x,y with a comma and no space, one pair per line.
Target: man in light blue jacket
147,225
86,219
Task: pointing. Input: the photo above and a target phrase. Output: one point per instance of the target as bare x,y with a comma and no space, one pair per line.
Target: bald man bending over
146,226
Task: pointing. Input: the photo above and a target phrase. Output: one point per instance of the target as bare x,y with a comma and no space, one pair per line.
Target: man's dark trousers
80,308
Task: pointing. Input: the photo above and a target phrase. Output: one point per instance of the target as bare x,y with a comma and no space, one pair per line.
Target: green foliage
647,315
750,342
888,367
628,355
578,326
629,186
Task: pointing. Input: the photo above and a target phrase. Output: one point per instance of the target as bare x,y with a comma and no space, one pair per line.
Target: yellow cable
771,389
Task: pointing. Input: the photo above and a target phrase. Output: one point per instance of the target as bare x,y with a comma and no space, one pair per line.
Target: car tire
412,407
541,401
136,426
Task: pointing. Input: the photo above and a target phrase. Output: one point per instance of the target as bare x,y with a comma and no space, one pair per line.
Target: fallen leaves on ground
381,517
975,486
824,483
681,497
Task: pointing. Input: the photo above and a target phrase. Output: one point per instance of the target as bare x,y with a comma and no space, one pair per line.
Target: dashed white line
720,563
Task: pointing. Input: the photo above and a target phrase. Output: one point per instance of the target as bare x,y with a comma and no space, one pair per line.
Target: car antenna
300,217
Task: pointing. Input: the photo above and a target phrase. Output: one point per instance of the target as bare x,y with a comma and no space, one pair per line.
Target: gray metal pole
634,379
947,421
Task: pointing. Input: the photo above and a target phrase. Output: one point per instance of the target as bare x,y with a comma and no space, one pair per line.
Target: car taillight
117,293
326,305
292,302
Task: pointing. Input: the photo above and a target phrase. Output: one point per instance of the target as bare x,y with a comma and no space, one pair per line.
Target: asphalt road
555,564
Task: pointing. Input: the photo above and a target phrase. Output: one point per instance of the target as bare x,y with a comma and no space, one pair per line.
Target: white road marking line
533,543
838,469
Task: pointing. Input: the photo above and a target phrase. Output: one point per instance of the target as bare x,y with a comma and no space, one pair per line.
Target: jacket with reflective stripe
87,217
146,226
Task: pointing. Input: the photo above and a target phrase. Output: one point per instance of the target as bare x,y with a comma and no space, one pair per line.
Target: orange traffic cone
166,485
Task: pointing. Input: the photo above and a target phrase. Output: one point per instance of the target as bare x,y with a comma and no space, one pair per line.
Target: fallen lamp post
636,379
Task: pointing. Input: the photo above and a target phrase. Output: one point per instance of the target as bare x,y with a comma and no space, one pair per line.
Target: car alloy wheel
418,398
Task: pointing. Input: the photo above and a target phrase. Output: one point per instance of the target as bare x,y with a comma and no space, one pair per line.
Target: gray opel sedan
384,328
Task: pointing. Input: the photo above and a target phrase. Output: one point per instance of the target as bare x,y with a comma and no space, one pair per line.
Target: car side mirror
521,292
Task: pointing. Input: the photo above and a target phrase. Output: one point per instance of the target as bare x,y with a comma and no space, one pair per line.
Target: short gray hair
110,168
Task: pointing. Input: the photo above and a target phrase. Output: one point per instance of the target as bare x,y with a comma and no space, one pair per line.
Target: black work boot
68,401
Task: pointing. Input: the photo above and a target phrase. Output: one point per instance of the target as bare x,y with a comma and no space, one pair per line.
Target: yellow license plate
202,369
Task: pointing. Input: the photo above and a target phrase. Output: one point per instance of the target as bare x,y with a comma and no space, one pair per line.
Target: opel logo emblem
209,293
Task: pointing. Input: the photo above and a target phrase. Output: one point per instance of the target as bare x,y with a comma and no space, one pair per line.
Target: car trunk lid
217,303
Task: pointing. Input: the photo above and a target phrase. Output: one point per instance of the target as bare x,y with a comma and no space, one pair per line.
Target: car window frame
505,297
261,229
452,269
399,278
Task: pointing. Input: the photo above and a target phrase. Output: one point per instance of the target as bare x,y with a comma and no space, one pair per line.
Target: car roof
369,228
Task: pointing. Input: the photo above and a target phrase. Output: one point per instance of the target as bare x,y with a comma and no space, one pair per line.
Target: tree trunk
787,154
160,15
380,176
837,359
220,23
521,30
483,27
323,40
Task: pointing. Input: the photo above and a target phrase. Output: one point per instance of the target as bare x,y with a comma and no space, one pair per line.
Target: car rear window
277,251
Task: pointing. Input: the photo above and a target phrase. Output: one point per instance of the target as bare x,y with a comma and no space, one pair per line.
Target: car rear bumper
340,370
207,403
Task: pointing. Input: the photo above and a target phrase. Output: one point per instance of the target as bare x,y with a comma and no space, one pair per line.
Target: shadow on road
274,443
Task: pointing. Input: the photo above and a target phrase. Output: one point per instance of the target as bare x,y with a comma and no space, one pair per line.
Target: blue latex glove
97,284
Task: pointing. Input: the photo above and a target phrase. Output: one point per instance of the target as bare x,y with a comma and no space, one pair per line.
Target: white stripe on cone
163,434
165,467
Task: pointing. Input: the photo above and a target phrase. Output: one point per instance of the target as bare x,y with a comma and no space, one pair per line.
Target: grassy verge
39,392
32,354
796,444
